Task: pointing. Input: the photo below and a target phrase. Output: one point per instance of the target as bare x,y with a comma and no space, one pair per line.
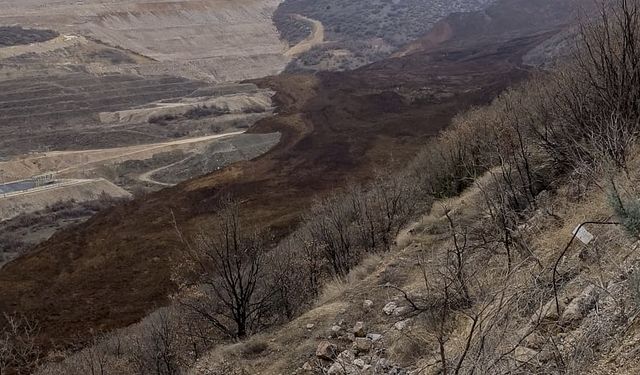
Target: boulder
310,325
362,345
359,362
307,367
367,304
358,330
326,351
579,306
390,308
401,324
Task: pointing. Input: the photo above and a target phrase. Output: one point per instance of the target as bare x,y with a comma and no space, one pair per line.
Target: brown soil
335,127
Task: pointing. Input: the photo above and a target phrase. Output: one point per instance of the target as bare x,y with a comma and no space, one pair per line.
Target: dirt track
314,39
68,162
148,176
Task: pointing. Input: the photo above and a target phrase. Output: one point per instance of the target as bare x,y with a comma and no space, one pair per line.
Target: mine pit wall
218,39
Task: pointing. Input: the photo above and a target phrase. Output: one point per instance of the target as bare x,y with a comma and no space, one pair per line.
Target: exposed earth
333,128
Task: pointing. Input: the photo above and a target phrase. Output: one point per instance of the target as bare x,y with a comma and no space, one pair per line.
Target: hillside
361,32
335,127
507,245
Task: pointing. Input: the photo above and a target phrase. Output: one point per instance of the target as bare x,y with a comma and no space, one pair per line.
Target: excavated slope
227,40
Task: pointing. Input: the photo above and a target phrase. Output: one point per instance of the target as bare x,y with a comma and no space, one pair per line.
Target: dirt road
148,176
66,162
314,39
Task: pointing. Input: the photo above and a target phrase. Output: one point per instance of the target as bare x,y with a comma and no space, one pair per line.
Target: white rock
401,324
310,325
390,308
367,304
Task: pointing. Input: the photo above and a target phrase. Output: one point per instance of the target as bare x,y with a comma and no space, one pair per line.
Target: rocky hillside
508,245
361,32
335,127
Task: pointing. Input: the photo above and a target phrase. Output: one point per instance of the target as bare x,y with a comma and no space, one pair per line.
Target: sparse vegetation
480,282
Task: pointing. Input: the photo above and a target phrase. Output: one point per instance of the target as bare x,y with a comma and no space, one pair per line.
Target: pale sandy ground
314,39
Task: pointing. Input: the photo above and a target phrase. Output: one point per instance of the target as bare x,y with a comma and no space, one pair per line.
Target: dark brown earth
336,127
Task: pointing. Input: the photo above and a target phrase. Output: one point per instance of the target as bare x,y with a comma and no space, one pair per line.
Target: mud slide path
314,39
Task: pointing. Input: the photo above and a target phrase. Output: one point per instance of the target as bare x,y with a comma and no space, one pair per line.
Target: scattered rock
346,356
358,330
336,369
343,364
374,336
307,366
367,304
401,324
362,345
326,350
390,308
335,331
359,362
579,306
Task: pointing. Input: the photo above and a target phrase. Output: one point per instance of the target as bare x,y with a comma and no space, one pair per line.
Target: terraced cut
216,40
16,35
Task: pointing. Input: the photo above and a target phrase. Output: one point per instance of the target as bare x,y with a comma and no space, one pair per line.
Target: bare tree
19,349
329,226
156,344
227,267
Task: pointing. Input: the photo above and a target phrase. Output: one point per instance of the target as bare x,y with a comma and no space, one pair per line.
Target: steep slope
503,19
222,40
335,126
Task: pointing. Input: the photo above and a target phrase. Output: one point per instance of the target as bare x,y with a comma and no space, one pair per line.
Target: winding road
316,37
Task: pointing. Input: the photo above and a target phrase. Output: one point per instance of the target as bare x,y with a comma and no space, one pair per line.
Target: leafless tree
19,349
329,226
156,344
227,266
